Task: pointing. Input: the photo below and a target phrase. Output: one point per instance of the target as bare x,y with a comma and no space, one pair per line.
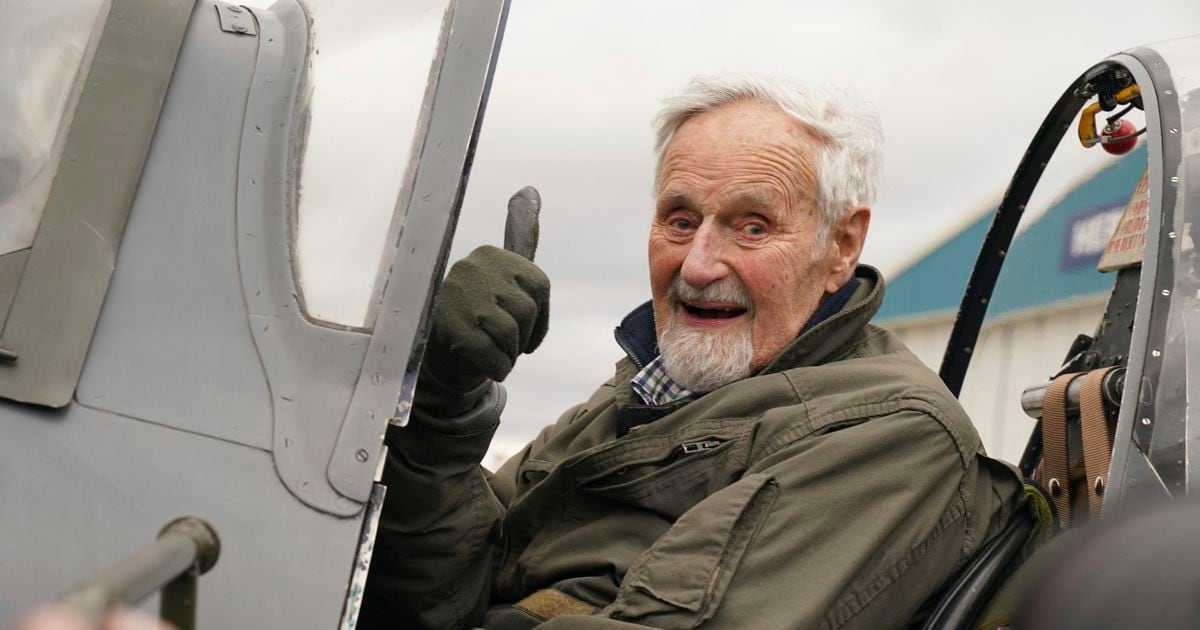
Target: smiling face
734,231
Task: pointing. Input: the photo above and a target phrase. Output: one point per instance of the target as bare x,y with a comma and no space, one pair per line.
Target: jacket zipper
628,352
687,448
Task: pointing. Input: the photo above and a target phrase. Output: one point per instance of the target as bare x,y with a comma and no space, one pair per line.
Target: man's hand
493,306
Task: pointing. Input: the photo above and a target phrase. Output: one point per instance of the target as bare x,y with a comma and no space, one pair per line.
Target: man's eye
754,230
682,224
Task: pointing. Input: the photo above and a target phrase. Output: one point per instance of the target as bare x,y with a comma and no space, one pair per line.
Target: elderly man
763,457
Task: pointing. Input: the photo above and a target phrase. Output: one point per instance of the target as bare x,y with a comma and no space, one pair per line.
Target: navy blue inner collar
636,334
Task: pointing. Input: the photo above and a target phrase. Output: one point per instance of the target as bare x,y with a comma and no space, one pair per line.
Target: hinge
236,19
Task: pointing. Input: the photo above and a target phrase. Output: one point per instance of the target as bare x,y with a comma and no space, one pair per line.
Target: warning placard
1128,240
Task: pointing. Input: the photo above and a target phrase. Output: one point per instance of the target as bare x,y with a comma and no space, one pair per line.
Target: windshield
43,57
369,65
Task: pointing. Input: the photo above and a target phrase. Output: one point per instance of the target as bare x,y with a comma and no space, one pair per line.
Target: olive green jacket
838,488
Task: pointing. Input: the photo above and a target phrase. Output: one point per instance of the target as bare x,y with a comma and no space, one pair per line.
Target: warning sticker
1128,240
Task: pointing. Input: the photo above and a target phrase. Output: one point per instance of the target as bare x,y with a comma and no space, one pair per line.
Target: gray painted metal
67,272
12,265
176,326
311,368
434,199
205,385
173,343
1129,470
236,19
91,487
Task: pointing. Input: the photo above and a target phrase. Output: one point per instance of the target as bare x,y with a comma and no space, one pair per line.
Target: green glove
493,306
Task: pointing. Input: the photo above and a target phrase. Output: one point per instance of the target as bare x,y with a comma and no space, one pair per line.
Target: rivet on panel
1145,422
362,455
1155,353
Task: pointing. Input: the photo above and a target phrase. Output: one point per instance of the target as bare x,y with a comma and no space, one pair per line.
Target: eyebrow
755,196
673,197
760,199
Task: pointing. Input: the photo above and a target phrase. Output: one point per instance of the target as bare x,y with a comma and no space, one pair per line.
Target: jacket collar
838,319
828,340
636,335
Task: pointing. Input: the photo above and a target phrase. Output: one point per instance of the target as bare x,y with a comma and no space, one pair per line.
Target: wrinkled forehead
748,149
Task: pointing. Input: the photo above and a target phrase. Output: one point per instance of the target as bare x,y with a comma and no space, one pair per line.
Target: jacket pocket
651,476
680,580
531,473
668,479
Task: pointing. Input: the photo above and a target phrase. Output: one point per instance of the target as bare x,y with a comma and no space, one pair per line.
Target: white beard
703,360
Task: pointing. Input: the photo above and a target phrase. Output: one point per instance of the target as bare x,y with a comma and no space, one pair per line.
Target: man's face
736,207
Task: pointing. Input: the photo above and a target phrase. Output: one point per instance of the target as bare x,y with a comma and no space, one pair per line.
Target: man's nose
704,263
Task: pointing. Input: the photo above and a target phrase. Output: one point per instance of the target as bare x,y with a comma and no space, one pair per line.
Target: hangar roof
1054,259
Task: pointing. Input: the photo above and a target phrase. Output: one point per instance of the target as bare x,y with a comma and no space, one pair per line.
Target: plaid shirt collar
656,387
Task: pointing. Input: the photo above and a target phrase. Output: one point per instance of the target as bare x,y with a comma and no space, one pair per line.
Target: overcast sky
961,88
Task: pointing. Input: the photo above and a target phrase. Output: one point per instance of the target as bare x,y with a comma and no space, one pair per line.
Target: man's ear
848,236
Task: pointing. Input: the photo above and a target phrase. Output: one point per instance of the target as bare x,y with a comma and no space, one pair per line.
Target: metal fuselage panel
93,486
175,412
173,345
206,390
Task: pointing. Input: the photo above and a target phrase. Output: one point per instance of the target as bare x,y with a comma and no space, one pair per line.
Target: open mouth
713,312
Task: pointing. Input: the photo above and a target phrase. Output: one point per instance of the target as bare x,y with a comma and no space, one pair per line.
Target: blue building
1049,292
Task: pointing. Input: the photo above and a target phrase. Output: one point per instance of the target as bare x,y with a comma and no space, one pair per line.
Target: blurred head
763,195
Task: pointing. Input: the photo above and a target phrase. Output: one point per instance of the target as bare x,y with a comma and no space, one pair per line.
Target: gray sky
961,87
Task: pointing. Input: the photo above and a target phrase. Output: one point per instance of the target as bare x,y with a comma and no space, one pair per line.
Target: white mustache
728,290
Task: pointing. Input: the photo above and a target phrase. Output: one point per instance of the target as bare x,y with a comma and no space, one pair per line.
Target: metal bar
177,602
186,546
1004,225
1033,396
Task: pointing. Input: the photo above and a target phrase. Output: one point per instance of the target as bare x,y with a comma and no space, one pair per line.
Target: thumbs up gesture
493,306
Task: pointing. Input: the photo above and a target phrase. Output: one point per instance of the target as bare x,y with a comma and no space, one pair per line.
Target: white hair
850,161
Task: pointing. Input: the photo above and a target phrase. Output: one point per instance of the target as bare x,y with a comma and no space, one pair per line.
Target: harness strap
1056,464
1097,441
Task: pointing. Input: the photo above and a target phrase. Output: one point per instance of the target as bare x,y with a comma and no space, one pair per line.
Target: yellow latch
1088,136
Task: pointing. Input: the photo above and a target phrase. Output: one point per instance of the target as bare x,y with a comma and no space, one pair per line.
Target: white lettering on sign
1128,240
1090,235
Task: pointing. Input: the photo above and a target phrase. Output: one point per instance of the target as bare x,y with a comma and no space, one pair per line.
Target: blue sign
1087,234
